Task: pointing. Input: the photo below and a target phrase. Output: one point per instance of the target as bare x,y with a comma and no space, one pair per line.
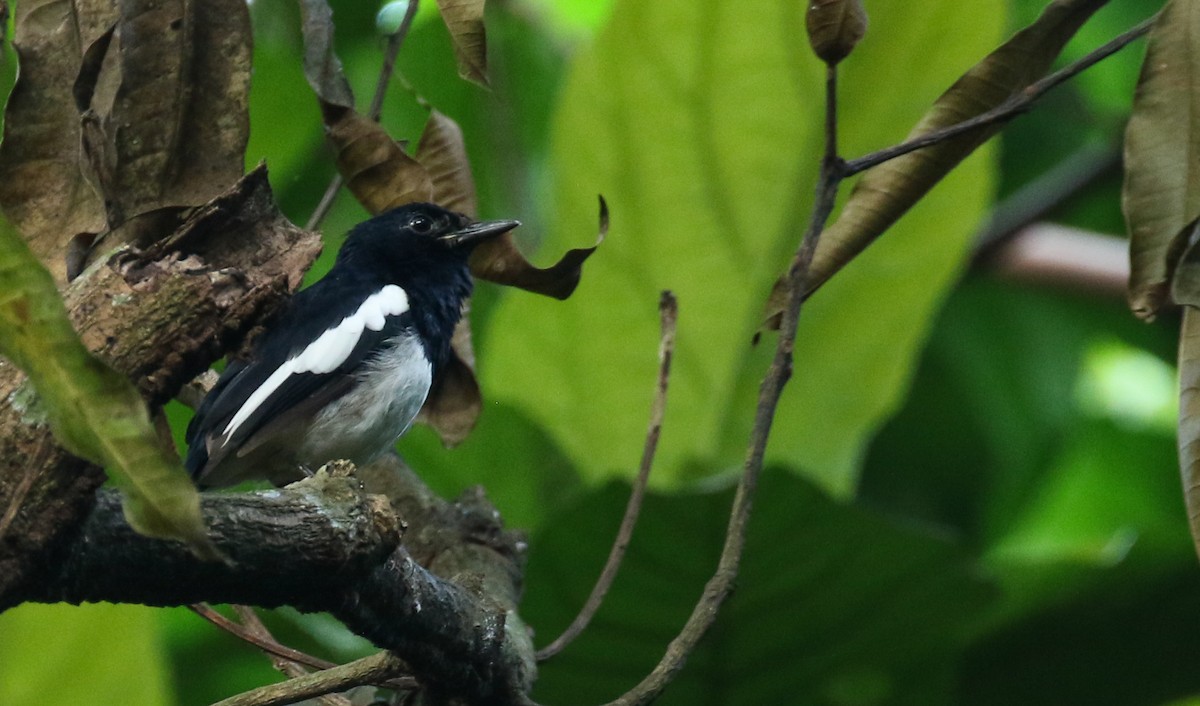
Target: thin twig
374,669
668,310
326,202
255,626
720,585
268,645
263,640
1010,108
395,41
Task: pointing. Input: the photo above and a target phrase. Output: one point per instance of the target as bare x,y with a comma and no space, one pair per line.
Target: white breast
366,421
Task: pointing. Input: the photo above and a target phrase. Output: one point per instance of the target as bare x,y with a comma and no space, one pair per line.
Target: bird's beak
478,232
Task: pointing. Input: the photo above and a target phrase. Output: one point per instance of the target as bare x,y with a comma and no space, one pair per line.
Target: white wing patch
328,351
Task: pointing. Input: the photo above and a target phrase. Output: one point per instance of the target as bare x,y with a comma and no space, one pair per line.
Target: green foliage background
966,503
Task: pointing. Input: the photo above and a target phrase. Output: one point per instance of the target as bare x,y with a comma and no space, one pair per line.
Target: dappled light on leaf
716,166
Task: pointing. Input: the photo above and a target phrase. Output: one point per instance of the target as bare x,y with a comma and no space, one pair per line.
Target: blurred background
973,495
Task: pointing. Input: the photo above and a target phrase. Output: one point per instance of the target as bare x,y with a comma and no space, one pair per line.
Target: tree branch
322,545
160,316
368,670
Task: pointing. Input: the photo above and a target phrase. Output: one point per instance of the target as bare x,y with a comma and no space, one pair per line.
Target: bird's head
419,232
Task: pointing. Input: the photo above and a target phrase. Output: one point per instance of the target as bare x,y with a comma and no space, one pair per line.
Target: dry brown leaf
443,153
499,261
166,119
163,121
835,27
377,170
322,67
454,403
42,190
1161,194
464,19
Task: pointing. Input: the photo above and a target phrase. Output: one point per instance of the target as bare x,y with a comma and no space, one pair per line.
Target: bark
161,316
327,544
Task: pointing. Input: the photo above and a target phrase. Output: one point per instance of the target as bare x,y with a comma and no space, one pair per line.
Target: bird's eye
421,224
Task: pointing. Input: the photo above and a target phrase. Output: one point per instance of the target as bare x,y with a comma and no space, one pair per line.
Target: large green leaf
834,605
67,655
700,122
996,382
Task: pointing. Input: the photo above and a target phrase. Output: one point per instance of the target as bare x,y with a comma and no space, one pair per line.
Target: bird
342,372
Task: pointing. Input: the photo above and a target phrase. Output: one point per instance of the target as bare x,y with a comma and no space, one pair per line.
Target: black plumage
346,366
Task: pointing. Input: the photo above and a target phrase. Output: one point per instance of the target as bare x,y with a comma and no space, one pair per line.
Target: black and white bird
346,367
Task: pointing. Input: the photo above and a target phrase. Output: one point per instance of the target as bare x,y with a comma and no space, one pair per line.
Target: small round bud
390,16
834,27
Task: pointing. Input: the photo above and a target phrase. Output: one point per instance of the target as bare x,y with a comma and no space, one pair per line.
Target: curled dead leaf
499,261
322,68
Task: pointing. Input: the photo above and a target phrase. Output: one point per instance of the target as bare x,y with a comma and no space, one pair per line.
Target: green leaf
997,382
834,604
94,411
60,655
1162,146
700,123
572,18
1101,517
